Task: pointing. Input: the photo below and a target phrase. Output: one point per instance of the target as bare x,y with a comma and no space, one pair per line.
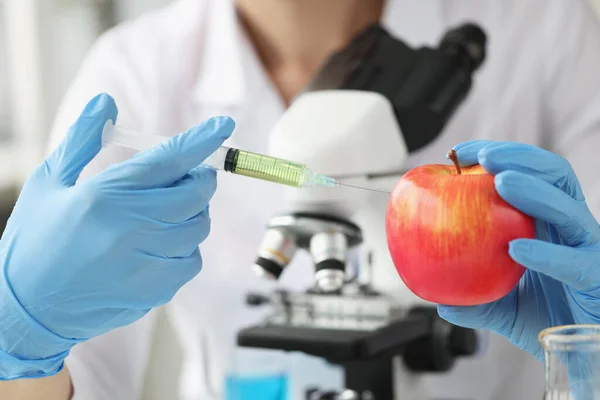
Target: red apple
448,232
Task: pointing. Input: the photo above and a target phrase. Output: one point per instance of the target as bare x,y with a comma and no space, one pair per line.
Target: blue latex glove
562,282
80,260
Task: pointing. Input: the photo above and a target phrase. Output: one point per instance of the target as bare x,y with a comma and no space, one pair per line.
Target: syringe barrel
131,139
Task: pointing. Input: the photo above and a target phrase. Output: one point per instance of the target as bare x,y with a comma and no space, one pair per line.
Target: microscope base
424,341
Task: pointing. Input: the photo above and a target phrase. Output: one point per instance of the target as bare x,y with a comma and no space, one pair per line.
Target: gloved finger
169,162
538,199
493,316
500,317
576,267
497,157
179,272
178,240
160,277
179,202
83,141
467,152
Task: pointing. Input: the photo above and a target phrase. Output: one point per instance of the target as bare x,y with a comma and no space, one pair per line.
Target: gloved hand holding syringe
239,162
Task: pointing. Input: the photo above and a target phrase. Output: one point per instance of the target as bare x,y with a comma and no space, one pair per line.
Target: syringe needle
363,188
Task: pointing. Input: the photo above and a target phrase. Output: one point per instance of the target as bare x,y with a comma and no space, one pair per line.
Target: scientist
248,59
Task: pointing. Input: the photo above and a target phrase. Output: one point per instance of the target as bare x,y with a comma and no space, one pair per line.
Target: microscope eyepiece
468,41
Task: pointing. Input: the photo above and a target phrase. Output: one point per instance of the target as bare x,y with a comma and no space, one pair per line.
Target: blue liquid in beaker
271,387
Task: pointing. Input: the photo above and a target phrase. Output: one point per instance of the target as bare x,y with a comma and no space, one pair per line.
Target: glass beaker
572,357
258,374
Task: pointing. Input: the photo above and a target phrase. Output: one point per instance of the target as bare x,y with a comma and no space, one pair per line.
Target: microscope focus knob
441,346
257,299
463,342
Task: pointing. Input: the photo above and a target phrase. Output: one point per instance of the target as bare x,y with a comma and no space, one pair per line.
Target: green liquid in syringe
268,168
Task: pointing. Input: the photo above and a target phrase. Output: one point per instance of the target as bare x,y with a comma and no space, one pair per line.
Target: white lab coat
180,65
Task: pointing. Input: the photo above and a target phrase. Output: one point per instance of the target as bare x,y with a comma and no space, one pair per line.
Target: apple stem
454,157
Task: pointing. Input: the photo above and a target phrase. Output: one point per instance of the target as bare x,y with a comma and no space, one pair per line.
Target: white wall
596,5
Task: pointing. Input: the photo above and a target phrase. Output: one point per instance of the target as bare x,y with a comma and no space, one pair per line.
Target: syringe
236,161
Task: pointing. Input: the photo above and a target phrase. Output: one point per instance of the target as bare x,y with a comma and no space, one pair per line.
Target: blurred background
42,43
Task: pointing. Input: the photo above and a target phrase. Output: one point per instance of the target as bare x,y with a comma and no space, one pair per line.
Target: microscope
372,104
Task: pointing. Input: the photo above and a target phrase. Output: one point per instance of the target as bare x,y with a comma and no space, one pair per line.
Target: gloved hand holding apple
507,244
